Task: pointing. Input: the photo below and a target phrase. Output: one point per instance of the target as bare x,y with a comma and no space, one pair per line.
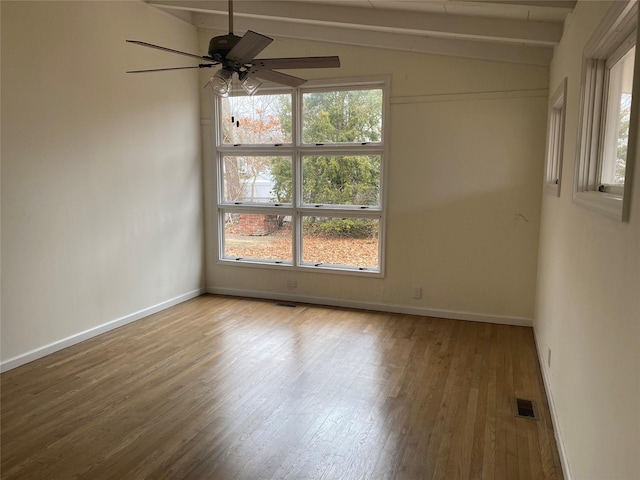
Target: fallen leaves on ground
316,249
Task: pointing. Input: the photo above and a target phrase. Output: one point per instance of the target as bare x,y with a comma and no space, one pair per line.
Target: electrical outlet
292,283
549,357
417,292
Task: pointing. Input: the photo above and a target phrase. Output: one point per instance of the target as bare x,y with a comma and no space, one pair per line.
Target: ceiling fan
237,55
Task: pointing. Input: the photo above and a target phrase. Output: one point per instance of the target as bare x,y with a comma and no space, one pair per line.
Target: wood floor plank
230,388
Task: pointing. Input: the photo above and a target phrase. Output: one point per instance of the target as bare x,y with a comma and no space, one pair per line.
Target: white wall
465,169
588,303
101,171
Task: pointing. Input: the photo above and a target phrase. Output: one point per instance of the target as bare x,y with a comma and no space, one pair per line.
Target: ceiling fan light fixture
220,83
250,84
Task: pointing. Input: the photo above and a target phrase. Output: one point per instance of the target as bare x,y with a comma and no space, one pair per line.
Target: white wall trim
564,459
381,307
92,332
466,97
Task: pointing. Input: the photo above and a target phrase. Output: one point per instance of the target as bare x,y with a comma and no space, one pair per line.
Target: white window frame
297,150
616,34
555,139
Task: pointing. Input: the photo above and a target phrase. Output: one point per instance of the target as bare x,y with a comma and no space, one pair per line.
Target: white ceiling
517,31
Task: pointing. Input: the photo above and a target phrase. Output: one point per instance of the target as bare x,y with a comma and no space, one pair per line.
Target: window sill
603,203
333,269
552,189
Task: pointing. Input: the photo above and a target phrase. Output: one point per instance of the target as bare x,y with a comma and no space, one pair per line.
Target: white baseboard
552,408
92,332
381,307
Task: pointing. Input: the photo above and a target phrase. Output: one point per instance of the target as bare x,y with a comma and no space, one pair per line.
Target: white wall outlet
549,357
292,283
417,292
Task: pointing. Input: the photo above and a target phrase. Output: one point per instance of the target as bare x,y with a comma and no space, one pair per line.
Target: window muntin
259,119
342,116
341,180
252,179
293,204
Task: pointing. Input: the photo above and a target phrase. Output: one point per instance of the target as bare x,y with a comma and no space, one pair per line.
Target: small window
259,119
340,242
254,236
603,166
252,179
341,180
352,116
555,139
616,125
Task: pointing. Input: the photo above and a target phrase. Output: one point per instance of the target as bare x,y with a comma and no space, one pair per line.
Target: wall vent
525,408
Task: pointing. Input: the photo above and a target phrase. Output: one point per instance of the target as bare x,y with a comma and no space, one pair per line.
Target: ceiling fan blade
171,68
170,50
278,77
299,62
250,45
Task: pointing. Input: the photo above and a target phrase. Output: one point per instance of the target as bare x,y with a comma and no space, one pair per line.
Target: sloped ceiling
503,30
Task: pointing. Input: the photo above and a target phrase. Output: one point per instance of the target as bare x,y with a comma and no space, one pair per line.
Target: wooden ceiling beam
483,29
501,52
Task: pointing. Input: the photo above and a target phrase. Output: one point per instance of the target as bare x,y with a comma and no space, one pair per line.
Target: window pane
341,179
616,135
259,237
257,119
256,179
353,116
555,144
340,241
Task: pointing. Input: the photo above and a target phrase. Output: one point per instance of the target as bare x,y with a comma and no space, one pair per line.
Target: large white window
604,165
301,177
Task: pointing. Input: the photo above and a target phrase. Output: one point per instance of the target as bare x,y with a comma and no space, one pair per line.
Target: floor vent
290,305
525,408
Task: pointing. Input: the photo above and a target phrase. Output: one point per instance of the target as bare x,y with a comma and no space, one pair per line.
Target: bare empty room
320,239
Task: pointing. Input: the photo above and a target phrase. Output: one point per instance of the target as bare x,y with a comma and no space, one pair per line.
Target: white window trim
619,26
297,210
555,139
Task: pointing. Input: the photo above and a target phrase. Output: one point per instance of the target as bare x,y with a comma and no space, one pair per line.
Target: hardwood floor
226,388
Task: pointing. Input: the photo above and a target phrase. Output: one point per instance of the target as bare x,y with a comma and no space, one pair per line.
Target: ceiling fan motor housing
220,46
